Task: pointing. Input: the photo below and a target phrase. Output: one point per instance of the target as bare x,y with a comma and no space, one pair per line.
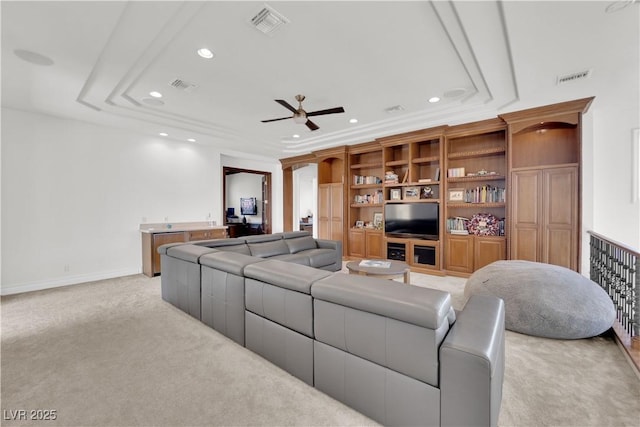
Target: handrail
635,252
616,268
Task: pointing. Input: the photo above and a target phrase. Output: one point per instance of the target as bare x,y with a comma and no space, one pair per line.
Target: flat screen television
413,220
248,206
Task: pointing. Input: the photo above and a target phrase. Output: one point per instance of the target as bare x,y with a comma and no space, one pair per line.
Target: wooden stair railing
616,267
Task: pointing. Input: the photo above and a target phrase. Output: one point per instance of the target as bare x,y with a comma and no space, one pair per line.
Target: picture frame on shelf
377,220
456,195
359,224
395,194
411,193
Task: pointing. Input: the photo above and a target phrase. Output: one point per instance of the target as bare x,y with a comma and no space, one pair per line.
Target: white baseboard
65,281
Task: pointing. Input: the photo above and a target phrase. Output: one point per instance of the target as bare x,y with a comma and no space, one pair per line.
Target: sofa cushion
262,238
300,244
285,275
429,308
299,258
269,249
233,263
294,234
191,253
321,257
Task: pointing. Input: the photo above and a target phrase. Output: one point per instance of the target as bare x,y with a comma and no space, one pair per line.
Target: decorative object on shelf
375,198
456,194
377,220
484,224
390,177
411,193
406,175
458,225
395,194
436,177
426,193
359,224
424,180
364,180
456,172
484,194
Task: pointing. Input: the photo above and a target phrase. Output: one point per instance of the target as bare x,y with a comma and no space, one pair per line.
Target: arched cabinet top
550,116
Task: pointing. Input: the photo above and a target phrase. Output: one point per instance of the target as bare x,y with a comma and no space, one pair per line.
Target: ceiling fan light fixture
300,119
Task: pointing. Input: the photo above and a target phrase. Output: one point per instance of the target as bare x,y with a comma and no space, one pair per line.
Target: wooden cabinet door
560,230
160,239
487,249
373,244
459,253
357,243
337,212
526,208
324,211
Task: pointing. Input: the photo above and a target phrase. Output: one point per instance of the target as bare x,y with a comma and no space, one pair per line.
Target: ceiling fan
300,116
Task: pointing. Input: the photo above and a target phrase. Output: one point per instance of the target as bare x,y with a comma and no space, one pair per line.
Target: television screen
248,206
419,220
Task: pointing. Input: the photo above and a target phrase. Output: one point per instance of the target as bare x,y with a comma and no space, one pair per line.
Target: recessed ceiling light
296,136
163,134
205,53
191,140
434,99
155,94
353,121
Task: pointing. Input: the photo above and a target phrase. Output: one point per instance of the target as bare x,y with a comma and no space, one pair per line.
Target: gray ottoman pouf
545,300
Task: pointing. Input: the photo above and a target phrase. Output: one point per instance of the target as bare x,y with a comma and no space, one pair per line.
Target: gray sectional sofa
399,354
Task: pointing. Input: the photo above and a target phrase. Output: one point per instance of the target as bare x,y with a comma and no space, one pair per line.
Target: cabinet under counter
156,235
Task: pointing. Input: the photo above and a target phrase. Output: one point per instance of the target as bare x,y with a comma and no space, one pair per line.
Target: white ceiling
366,56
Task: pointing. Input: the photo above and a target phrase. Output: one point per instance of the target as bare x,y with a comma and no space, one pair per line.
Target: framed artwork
359,224
456,194
377,219
411,193
395,194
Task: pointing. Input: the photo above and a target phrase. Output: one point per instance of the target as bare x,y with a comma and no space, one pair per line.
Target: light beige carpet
112,353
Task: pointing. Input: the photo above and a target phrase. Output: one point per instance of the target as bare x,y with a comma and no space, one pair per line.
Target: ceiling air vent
573,77
183,86
268,20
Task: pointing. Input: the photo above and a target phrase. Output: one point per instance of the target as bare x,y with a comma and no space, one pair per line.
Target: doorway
239,187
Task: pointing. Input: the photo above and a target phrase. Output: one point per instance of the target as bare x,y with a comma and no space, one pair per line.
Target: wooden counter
156,235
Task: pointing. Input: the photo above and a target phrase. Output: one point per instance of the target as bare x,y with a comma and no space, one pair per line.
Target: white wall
74,195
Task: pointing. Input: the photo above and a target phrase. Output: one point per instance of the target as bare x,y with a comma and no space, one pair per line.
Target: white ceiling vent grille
573,77
268,20
183,86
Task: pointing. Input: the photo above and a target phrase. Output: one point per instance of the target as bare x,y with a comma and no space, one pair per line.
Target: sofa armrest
330,244
162,249
472,364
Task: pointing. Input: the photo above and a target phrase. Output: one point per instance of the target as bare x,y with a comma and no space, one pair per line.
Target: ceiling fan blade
286,105
327,111
312,125
275,120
